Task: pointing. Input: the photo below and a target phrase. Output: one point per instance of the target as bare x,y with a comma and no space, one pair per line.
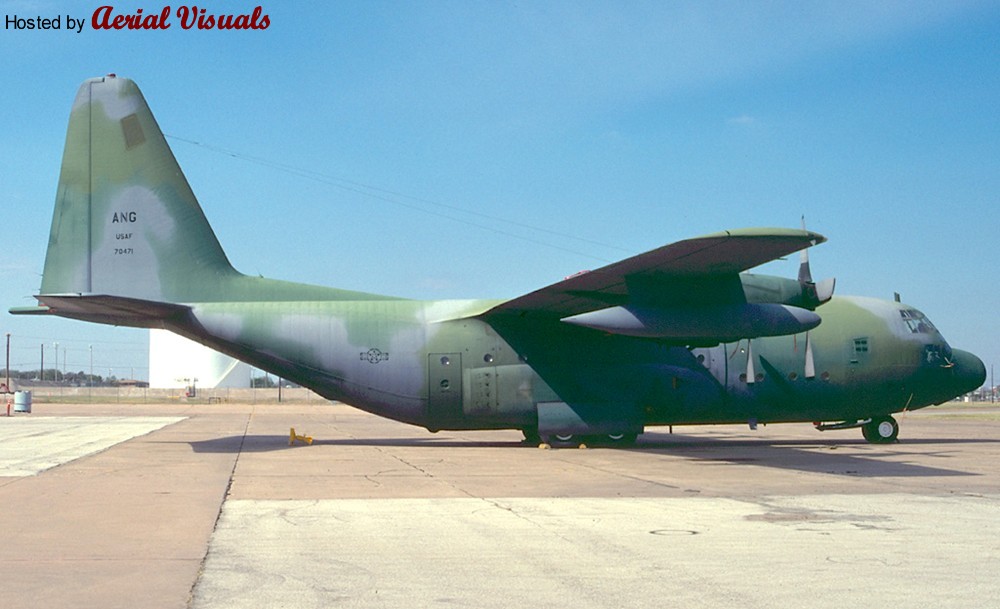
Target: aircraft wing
713,262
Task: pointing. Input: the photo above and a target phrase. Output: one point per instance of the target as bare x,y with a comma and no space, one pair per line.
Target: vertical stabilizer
126,222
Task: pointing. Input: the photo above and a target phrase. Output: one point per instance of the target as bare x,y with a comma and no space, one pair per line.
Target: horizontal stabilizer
115,310
38,310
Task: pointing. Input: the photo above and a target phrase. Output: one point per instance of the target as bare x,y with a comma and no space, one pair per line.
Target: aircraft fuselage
436,365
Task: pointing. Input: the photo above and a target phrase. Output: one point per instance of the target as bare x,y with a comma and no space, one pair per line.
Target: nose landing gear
881,430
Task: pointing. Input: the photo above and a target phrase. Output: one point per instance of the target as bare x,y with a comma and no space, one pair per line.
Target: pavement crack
222,503
620,474
496,503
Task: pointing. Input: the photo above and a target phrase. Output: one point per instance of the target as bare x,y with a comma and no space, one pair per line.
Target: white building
174,361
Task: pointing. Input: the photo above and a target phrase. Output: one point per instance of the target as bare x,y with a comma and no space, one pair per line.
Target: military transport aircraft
678,335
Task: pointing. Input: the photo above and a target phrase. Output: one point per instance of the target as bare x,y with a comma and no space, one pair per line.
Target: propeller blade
805,274
824,289
814,294
810,362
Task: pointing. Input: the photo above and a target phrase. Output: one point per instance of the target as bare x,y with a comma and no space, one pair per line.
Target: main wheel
531,436
881,430
621,439
562,440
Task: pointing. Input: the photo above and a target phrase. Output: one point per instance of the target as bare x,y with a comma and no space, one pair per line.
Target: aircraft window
445,384
916,321
488,358
445,361
861,345
934,354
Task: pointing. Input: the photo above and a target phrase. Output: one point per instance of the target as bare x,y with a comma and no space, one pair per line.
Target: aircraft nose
969,371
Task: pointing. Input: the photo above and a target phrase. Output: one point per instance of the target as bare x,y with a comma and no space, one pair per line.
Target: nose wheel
881,430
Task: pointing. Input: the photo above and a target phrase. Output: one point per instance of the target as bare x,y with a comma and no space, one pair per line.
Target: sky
465,149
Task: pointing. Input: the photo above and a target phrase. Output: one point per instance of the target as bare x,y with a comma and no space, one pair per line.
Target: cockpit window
916,321
938,354
932,354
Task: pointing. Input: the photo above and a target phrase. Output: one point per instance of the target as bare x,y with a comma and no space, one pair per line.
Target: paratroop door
444,399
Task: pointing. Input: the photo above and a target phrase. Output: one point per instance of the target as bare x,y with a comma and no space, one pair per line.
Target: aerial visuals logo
188,17
109,18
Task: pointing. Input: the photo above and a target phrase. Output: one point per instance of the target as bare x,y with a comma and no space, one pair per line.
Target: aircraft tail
126,223
129,243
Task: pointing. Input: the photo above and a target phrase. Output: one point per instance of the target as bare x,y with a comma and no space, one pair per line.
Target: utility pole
90,381
55,369
8,361
41,365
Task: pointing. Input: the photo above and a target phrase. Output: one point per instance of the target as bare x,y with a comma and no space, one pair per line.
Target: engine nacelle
701,325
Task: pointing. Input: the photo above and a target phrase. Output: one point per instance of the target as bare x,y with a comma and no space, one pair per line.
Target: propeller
814,294
810,361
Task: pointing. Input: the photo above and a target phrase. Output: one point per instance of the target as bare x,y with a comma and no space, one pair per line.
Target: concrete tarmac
208,506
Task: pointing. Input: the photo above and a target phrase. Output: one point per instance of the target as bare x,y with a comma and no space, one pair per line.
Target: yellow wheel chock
292,437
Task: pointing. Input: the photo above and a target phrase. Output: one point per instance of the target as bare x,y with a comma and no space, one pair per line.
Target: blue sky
485,149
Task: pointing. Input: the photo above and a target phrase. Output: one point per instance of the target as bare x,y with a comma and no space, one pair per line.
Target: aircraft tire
531,436
621,439
881,430
562,440
614,439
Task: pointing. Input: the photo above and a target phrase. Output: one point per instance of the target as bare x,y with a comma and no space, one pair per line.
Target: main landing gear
531,436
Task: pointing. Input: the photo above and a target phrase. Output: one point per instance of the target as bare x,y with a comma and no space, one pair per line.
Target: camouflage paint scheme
679,335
